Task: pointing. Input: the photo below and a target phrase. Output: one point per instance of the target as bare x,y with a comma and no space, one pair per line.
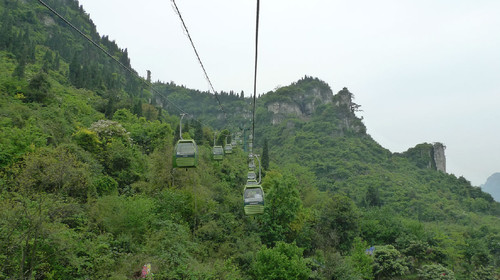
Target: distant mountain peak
492,186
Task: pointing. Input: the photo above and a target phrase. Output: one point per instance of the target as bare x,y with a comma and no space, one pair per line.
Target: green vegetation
87,188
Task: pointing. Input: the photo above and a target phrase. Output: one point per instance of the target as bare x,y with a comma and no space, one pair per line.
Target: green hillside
87,188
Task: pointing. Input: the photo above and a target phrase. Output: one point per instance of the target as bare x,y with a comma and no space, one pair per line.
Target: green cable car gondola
218,153
253,196
228,149
185,154
185,151
251,175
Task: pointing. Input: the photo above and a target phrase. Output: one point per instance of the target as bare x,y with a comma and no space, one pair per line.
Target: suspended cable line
255,69
176,9
253,193
128,69
85,36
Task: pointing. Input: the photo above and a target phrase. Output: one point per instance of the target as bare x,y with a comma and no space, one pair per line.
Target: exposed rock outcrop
300,99
427,155
439,157
343,100
281,110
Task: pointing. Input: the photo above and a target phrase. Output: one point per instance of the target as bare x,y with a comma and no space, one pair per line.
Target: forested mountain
87,188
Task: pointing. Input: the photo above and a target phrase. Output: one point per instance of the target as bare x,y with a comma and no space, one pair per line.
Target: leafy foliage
284,261
87,189
282,207
435,271
388,262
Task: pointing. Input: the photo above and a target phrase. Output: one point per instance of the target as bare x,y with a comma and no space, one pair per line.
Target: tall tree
20,69
38,88
221,139
284,261
282,207
198,132
338,223
265,155
373,196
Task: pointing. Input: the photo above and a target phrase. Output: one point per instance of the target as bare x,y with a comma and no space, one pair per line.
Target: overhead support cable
134,73
85,36
255,69
176,9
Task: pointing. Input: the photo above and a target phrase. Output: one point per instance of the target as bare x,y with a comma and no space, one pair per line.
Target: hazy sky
423,70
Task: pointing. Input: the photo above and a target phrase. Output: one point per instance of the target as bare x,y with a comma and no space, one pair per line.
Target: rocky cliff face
281,110
297,101
346,107
427,155
300,99
315,97
439,157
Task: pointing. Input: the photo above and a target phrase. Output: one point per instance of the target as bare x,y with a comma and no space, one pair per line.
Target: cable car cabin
252,182
185,154
218,153
228,149
251,176
251,166
254,198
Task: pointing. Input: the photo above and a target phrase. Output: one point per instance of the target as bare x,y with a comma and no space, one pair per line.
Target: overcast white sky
423,70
